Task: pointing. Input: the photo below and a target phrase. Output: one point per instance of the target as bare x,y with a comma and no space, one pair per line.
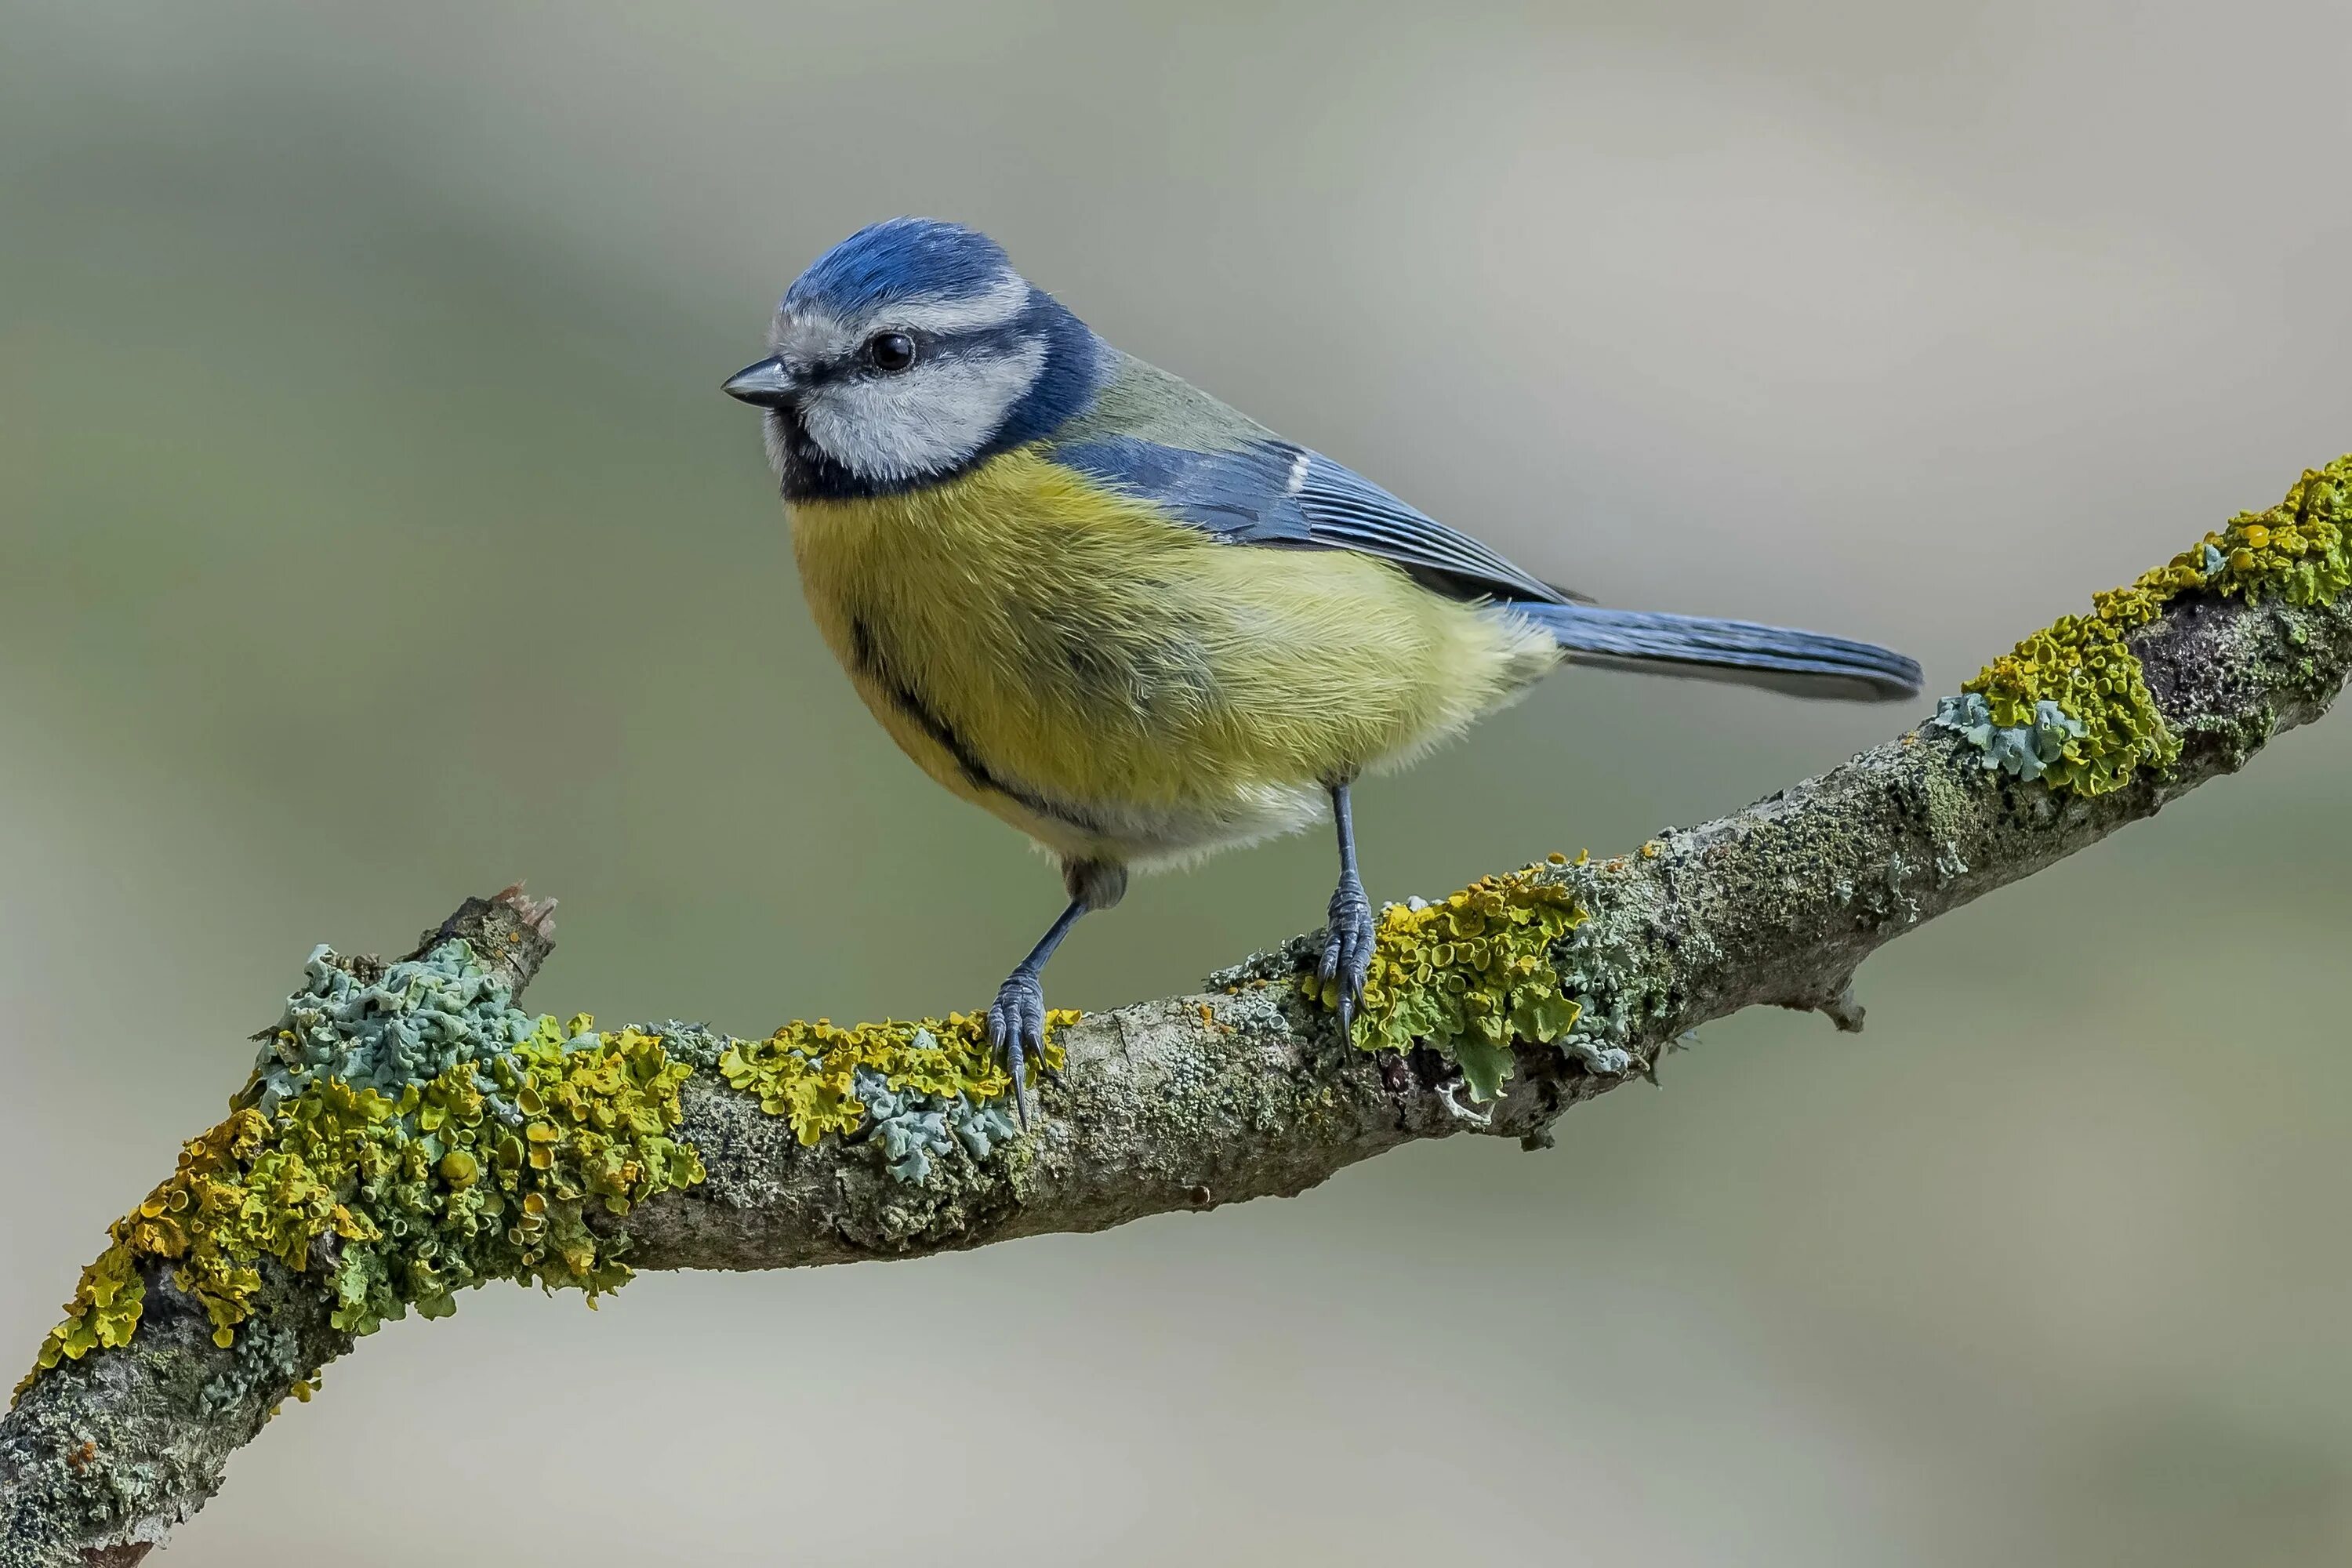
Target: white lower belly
1148,838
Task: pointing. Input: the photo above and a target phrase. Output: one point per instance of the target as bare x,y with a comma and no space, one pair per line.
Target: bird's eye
890,352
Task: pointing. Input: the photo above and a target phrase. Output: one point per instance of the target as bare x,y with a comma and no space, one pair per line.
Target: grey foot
1348,946
1016,1031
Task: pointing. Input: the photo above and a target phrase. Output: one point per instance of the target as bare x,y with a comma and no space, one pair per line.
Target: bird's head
907,354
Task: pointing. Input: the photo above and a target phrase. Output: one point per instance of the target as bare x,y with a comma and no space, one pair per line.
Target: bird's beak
767,384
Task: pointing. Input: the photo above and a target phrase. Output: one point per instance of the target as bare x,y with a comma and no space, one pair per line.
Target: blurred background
373,533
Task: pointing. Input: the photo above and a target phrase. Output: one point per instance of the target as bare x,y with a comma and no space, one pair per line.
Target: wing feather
1269,491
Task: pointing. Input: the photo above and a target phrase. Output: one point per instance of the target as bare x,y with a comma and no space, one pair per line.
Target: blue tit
1131,621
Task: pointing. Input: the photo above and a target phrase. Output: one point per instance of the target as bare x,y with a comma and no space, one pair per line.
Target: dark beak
767,385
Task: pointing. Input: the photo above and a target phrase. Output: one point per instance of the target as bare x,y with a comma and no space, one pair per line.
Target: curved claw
1348,947
1016,1031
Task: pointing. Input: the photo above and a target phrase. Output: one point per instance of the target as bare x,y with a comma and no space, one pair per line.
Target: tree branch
1243,1091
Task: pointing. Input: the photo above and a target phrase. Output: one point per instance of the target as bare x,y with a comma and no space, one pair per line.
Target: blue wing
1271,491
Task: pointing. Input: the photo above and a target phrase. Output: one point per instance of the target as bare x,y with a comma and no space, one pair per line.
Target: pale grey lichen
978,1128
268,1355
1594,963
2026,751
912,1126
411,1024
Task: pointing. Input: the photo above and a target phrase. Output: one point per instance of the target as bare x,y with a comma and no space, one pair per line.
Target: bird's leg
1348,940
1016,1019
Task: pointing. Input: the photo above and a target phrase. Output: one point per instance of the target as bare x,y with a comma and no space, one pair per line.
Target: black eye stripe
929,347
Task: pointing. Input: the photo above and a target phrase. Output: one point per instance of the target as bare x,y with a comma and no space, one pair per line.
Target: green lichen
1469,974
2082,668
824,1079
478,1185
399,1193
408,1134
2300,551
2070,703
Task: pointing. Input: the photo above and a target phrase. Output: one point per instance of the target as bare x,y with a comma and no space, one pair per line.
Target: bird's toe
1348,947
1016,1032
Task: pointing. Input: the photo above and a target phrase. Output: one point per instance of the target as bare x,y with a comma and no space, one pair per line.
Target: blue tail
1803,664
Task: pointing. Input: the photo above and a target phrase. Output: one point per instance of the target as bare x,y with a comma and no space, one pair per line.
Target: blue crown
898,260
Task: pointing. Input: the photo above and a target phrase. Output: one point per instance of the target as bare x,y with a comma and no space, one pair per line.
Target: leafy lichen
824,1078
407,1025
2081,669
2028,751
912,1125
2070,703
408,1132
482,1184
1469,974
401,1192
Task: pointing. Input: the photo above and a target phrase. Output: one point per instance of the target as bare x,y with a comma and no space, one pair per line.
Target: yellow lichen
415,1197
1468,974
2295,552
238,1195
104,1310
2300,551
2083,665
807,1073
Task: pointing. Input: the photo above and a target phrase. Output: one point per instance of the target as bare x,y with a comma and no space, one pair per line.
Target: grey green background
372,532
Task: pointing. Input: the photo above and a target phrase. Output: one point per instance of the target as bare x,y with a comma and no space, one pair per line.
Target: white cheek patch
889,429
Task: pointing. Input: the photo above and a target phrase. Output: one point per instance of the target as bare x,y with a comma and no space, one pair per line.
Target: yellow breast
1119,684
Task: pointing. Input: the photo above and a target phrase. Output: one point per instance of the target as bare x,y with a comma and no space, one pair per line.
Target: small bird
1127,619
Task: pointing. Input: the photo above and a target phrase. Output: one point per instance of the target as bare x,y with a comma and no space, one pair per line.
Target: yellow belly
1122,686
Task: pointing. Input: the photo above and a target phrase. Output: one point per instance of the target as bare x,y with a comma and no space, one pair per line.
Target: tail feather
1803,664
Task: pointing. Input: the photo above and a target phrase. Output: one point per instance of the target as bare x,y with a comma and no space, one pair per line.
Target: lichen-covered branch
408,1132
